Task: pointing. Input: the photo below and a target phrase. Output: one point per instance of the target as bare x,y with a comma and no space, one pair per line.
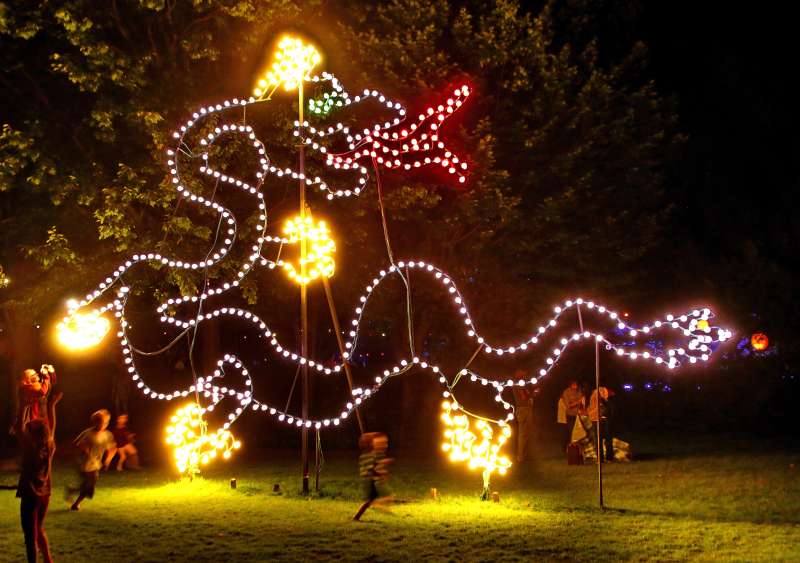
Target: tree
569,157
567,153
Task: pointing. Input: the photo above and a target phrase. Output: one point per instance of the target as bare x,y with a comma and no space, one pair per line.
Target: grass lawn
714,505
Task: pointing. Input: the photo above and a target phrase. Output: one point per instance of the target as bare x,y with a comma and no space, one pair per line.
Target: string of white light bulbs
393,147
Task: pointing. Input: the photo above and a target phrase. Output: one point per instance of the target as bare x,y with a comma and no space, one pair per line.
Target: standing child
38,446
32,391
93,443
373,468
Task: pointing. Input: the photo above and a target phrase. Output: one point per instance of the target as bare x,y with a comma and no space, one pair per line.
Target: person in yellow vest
570,402
523,413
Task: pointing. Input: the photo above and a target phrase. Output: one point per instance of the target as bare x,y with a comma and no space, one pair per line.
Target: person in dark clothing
523,413
604,411
36,438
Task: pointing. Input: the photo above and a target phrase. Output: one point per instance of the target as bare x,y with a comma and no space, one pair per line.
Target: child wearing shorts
93,442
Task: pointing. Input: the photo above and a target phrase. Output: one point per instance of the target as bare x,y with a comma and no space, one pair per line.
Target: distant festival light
759,341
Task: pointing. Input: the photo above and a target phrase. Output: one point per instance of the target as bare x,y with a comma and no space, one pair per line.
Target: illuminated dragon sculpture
399,143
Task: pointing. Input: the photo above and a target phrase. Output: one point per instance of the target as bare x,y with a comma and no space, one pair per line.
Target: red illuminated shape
409,146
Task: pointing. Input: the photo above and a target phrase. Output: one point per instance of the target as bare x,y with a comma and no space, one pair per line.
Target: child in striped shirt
373,468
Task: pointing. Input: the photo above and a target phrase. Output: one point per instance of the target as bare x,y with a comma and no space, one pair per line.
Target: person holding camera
33,390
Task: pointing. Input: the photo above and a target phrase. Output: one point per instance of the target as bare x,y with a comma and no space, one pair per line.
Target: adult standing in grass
600,409
523,413
35,483
572,400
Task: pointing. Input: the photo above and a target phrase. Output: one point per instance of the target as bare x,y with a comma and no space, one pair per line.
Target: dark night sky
732,72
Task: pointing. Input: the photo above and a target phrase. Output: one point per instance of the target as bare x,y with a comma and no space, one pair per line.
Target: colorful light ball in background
79,331
759,341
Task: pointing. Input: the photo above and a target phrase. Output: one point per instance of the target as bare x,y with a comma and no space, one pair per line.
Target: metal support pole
599,444
340,342
317,468
580,319
303,297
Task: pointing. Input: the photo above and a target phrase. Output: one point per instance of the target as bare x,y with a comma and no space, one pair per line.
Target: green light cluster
326,104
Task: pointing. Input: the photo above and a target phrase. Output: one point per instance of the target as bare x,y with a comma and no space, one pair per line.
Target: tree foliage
567,148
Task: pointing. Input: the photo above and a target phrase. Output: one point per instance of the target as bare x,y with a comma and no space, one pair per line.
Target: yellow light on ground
318,261
292,63
82,330
479,448
192,444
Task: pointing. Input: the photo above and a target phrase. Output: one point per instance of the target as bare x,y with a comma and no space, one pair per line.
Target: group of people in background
581,419
582,424
34,428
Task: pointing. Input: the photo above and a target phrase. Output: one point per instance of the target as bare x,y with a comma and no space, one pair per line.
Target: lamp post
294,59
293,62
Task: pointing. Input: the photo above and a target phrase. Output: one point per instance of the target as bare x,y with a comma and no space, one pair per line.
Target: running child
373,468
93,442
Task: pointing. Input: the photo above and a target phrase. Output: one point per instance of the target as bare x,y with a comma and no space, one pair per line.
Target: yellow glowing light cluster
293,61
82,330
193,445
318,261
478,450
